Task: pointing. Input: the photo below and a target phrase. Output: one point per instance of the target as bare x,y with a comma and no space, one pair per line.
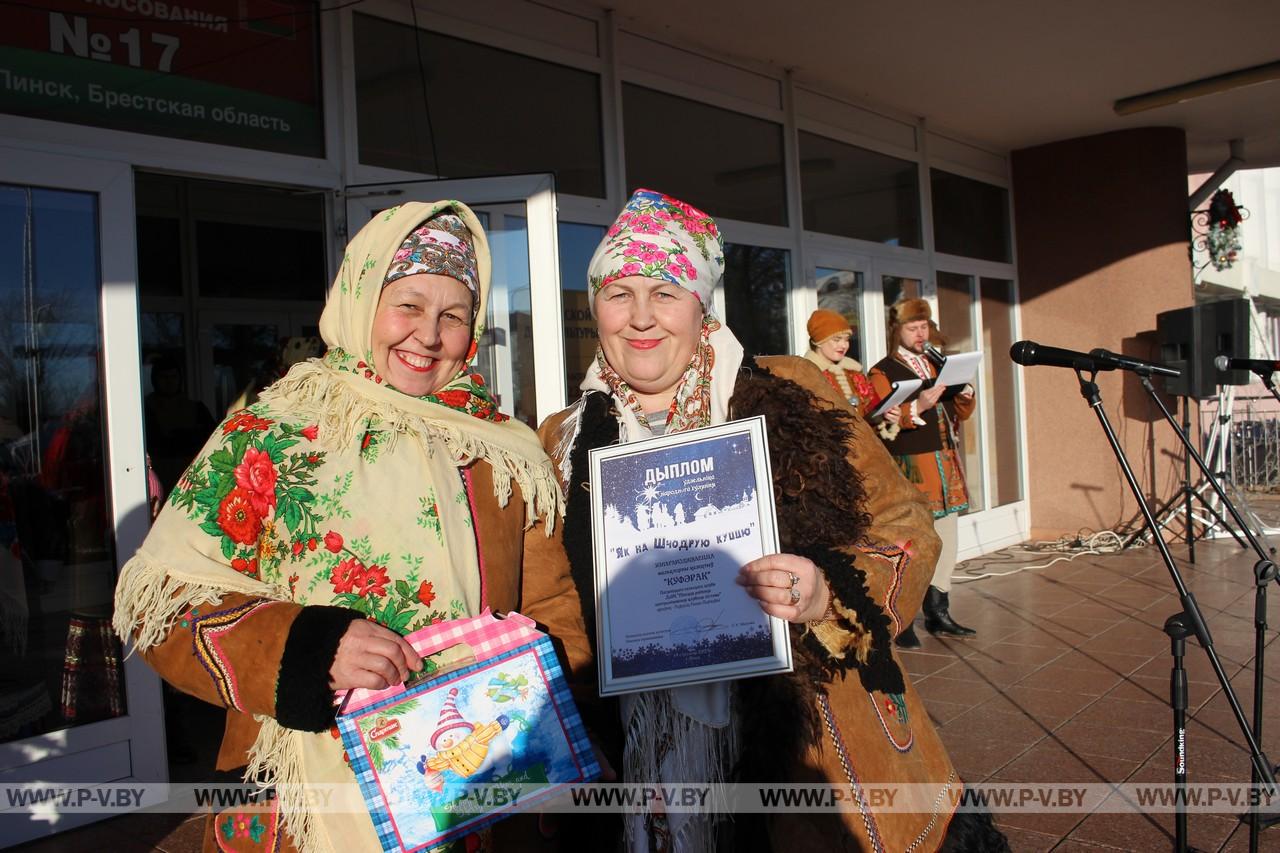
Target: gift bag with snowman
487,730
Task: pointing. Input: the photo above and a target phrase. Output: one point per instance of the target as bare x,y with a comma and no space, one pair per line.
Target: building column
1102,239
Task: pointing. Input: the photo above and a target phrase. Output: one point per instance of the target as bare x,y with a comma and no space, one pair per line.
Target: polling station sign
230,72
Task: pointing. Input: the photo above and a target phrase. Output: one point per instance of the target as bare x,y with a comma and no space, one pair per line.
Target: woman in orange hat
830,336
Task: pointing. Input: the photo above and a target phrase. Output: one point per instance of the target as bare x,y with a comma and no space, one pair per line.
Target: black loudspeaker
1177,333
1192,338
1226,332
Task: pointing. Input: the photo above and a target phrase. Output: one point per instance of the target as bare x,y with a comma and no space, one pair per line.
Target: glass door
72,483
522,354
889,282
840,284
240,352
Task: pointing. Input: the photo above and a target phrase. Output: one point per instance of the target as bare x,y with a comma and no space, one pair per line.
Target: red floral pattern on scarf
467,393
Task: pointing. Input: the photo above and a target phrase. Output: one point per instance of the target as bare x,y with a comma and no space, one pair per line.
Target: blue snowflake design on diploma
656,503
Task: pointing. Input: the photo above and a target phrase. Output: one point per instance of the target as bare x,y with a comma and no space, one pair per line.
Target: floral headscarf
660,237
441,245
684,732
663,238
337,489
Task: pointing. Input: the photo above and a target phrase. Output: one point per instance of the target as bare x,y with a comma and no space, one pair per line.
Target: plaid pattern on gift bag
458,751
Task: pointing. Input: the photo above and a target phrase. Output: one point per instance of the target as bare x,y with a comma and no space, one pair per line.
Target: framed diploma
673,520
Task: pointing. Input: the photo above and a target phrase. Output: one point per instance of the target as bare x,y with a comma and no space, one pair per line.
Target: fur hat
906,311
909,310
823,324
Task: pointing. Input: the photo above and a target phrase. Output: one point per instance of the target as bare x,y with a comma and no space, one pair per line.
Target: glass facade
756,283
852,192
726,163
999,381
955,322
62,663
577,244
970,218
841,291
508,114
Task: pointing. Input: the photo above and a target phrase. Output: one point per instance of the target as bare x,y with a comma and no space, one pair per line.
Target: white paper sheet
959,368
901,391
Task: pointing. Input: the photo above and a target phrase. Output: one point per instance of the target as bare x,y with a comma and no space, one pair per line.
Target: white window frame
575,208
123,748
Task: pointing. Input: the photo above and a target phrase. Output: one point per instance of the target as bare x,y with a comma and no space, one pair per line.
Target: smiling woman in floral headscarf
859,549
380,481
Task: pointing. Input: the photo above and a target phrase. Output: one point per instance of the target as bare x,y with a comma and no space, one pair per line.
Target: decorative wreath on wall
1222,240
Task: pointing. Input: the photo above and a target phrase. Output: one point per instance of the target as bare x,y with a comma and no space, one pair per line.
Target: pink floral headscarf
660,237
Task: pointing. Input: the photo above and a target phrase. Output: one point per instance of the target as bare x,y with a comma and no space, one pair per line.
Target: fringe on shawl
275,760
664,745
344,415
567,437
149,601
150,598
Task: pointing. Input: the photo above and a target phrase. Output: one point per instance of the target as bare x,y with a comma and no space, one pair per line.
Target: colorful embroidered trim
239,831
898,559
899,709
206,640
933,819
873,832
947,488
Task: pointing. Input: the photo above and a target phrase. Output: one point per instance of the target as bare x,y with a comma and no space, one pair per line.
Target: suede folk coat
281,654
848,715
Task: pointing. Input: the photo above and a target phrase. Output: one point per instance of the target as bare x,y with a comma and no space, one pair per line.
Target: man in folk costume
927,450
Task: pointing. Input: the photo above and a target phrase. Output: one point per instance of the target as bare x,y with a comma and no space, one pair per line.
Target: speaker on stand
1190,339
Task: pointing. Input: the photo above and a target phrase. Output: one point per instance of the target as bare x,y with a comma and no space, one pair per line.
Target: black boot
908,639
937,616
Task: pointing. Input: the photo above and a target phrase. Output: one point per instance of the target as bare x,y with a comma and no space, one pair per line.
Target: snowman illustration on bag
460,746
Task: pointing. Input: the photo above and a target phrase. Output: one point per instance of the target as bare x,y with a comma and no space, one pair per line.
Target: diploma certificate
673,520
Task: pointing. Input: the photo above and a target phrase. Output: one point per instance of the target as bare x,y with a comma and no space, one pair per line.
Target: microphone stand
1271,386
1264,571
1180,625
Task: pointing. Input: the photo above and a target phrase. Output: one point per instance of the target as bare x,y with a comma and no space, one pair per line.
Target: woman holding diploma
365,495
858,552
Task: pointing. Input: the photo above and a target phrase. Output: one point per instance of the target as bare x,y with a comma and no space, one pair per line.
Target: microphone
1137,365
934,355
1257,365
1030,353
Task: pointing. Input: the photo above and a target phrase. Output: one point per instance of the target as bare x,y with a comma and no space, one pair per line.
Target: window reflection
1000,383
756,282
577,243
841,291
970,218
853,192
955,321
894,288
60,664
511,313
723,162
492,112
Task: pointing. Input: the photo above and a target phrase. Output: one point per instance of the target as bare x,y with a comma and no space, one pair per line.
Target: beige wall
1102,248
